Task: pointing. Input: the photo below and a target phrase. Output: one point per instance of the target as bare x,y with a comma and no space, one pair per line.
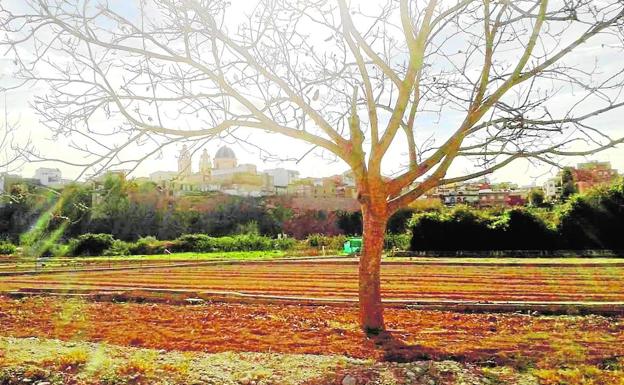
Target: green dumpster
352,245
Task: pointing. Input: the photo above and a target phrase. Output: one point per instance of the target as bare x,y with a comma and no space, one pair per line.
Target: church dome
225,153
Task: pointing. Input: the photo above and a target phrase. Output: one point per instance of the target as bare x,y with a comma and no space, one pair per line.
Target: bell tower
205,165
184,162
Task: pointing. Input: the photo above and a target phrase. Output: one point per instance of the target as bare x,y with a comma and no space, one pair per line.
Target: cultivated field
544,280
516,349
177,343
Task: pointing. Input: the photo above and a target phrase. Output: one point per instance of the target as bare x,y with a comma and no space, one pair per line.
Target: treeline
134,213
130,210
591,221
119,217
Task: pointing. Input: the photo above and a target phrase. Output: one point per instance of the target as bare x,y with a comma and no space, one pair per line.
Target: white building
282,177
552,190
49,176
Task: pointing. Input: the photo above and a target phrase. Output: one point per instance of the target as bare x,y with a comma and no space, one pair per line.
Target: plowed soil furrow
339,280
218,327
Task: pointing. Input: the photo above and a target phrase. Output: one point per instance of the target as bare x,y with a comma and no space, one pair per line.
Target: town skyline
522,174
223,173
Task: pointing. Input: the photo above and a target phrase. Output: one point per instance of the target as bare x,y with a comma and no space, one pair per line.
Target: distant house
591,174
585,177
493,198
502,198
516,199
459,193
50,177
282,178
337,186
461,197
552,189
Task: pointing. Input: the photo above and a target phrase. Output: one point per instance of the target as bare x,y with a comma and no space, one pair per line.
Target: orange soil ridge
415,334
339,280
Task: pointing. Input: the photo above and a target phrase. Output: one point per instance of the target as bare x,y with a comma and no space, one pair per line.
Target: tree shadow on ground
393,349
390,349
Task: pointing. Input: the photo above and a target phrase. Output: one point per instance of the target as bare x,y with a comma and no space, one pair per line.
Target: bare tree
10,159
486,82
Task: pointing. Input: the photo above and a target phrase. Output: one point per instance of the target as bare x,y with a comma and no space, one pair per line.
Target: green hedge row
105,244
467,229
591,221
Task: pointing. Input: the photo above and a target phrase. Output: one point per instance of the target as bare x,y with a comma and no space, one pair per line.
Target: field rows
339,280
220,327
12,265
79,264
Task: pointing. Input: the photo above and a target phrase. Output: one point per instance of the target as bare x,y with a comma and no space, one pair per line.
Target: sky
315,164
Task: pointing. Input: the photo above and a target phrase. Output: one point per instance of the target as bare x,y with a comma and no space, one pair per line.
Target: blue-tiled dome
225,153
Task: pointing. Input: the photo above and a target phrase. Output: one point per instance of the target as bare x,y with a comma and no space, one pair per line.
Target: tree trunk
371,309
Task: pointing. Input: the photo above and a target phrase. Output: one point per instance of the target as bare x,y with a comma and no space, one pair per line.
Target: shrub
251,243
459,229
194,243
315,240
149,246
349,222
307,222
223,244
59,250
249,228
520,229
7,248
201,243
397,241
329,242
91,244
118,248
285,243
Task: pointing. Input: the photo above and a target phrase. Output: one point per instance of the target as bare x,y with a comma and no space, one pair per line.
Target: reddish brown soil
543,341
339,280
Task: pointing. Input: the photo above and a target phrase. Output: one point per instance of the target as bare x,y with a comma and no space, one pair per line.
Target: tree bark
371,309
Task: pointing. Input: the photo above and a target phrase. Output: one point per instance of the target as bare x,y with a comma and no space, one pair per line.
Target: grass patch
21,263
56,362
579,375
71,360
215,256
